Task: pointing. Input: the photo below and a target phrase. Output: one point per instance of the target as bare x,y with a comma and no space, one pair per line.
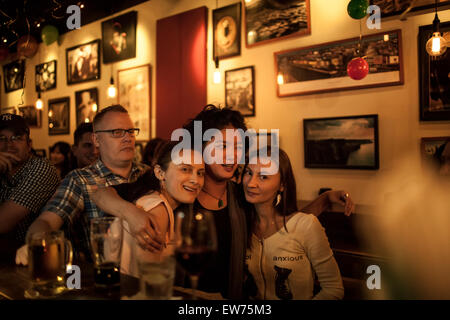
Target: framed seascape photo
119,37
392,8
430,150
45,76
270,20
86,105
13,74
323,68
240,90
59,116
227,31
434,79
31,115
134,95
341,142
83,62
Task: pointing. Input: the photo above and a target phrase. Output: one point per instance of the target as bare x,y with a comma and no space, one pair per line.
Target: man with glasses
71,207
26,183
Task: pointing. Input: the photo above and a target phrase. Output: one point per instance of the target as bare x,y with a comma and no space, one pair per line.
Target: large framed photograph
134,95
13,74
393,8
271,20
45,76
119,37
431,148
31,115
240,90
323,68
227,31
59,116
341,142
434,80
83,62
86,104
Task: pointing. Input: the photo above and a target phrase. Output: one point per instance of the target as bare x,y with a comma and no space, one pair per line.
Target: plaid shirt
31,187
72,203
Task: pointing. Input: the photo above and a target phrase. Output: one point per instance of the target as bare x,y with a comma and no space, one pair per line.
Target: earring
278,199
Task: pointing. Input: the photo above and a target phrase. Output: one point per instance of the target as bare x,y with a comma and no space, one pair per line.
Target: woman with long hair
60,157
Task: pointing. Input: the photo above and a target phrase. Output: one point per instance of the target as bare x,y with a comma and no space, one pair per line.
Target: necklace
220,203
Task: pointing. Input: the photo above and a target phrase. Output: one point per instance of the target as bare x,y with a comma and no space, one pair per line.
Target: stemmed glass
196,243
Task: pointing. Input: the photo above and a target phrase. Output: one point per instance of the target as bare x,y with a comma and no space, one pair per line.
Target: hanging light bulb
112,91
217,71
39,102
436,45
280,79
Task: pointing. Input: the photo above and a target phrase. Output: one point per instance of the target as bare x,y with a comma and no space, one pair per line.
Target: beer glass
49,253
106,244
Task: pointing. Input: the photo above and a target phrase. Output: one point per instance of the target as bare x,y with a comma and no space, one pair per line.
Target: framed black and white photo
83,62
45,76
31,115
434,80
13,74
86,105
119,37
341,142
227,31
59,116
429,148
240,90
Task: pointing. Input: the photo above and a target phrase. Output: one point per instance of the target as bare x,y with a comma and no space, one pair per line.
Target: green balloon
49,34
357,9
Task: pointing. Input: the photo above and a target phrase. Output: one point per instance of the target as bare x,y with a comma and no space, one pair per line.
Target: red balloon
3,53
27,46
358,68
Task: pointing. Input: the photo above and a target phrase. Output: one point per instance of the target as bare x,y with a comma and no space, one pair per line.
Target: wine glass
195,243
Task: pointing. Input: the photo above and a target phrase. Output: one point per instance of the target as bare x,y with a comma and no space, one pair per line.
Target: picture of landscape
344,142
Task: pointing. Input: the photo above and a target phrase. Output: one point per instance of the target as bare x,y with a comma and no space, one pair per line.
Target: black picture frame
14,73
434,83
86,105
83,62
119,37
45,76
394,8
59,116
227,31
335,143
240,90
31,115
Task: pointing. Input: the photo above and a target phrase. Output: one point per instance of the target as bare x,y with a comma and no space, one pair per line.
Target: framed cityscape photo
240,90
83,62
227,31
59,116
434,80
31,115
119,37
13,74
323,68
45,76
86,105
341,142
270,20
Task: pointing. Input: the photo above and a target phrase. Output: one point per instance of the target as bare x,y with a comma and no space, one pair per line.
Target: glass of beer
106,245
49,253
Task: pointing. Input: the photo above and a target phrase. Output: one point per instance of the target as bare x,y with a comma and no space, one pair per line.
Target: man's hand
22,255
7,161
343,198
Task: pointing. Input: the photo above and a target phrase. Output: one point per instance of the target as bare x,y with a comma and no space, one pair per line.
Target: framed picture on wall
227,31
341,142
83,62
13,74
270,20
323,68
434,81
31,115
45,76
86,105
432,149
240,90
59,116
392,8
119,37
40,153
12,110
134,95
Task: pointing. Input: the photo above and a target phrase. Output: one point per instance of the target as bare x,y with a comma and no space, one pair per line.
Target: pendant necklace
220,203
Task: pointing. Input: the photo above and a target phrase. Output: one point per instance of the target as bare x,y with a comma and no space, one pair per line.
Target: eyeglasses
119,133
5,139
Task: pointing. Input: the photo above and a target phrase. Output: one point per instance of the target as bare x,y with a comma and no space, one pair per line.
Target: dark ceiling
20,17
